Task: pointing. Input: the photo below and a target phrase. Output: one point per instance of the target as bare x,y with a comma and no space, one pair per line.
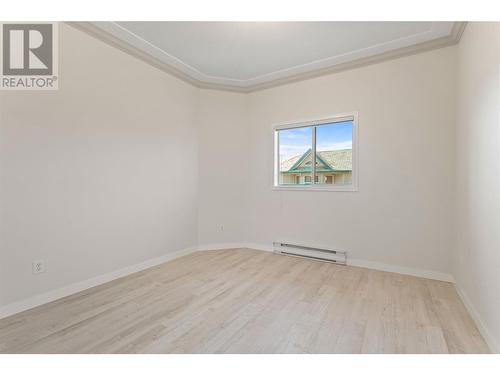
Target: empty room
250,187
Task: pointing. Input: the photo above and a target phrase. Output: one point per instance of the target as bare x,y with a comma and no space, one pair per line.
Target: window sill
346,188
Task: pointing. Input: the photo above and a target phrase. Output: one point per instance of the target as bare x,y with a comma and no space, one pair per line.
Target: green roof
333,160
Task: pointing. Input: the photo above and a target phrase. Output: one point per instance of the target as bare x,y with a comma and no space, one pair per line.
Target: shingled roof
334,160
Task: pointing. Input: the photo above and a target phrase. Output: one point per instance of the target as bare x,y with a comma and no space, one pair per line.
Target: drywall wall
476,260
97,176
402,213
222,120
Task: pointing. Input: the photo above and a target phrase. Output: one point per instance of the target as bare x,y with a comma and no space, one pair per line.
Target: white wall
222,120
402,213
98,175
476,265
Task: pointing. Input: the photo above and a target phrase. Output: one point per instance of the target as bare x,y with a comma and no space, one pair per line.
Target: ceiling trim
117,36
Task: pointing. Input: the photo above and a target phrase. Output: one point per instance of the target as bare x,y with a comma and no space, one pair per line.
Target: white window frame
350,116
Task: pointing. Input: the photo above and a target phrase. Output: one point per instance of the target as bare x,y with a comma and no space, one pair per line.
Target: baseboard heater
316,253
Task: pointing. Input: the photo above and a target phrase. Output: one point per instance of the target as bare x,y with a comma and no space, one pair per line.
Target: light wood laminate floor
248,301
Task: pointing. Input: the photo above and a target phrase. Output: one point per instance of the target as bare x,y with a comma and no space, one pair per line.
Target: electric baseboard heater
310,252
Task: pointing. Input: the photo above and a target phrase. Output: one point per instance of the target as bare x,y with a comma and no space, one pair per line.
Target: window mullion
277,156
313,156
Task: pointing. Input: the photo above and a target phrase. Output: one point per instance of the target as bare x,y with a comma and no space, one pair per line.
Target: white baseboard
434,275
261,247
426,274
221,246
56,294
65,291
483,329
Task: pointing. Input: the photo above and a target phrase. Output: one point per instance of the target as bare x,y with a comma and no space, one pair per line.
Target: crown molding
442,42
135,46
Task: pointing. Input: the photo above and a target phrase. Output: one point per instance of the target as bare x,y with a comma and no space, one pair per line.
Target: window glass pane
334,153
295,156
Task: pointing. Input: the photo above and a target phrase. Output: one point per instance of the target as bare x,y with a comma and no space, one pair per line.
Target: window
332,141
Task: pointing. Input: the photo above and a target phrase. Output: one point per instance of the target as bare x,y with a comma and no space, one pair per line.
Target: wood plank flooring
248,301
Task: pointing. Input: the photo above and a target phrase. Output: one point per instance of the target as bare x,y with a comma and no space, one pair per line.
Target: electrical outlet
222,228
38,266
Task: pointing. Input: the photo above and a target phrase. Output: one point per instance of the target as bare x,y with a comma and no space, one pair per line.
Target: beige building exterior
332,167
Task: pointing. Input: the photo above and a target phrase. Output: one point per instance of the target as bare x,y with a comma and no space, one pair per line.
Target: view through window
332,145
